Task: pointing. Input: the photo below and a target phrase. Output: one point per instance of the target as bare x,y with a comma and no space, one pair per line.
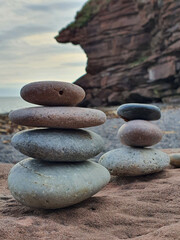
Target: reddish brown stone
52,93
139,133
58,117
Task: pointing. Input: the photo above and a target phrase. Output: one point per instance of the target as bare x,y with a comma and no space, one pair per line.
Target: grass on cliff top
88,11
138,61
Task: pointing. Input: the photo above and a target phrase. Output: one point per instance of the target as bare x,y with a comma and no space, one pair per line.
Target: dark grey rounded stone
62,145
39,184
132,111
134,161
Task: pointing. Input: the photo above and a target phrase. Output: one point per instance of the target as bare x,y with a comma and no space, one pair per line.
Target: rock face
133,50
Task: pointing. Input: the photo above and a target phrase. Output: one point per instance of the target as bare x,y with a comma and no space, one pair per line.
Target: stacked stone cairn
139,134
58,173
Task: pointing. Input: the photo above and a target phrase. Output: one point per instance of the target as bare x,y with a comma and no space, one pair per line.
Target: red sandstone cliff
133,50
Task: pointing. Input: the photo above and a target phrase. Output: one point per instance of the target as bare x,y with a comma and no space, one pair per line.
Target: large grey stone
60,145
134,161
39,184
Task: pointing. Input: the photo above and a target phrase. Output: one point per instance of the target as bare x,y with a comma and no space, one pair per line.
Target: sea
8,104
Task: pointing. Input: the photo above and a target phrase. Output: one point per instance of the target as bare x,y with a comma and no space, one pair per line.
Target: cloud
63,6
23,30
73,64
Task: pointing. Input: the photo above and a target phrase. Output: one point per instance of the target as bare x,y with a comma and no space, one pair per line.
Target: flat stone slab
58,117
39,184
61,145
132,111
139,133
128,161
52,93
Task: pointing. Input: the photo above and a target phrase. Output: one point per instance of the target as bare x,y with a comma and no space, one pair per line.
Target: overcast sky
28,50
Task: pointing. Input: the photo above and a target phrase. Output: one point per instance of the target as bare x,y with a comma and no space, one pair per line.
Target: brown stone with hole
58,117
139,133
52,93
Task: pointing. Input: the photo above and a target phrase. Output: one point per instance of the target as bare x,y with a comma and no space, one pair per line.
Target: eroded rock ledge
133,50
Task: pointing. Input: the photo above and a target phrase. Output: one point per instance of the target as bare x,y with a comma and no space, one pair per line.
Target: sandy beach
137,208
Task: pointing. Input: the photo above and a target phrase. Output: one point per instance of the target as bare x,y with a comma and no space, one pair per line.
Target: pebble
61,145
52,93
39,184
132,111
139,133
175,159
58,117
128,161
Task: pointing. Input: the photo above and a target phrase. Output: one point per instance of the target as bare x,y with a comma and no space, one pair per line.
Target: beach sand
137,208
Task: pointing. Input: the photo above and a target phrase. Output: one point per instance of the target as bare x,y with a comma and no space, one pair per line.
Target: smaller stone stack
138,134
58,174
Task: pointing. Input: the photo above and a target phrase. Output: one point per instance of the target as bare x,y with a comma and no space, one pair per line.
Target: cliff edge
133,50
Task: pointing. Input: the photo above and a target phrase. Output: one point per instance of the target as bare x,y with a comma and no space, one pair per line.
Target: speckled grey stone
60,145
132,111
39,184
134,161
175,159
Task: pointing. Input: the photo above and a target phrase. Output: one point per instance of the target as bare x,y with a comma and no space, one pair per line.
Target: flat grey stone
134,161
39,184
62,145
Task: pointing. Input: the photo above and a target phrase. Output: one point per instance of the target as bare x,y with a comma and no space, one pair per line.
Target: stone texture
52,93
134,111
139,133
134,161
175,159
39,184
132,49
58,117
61,145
